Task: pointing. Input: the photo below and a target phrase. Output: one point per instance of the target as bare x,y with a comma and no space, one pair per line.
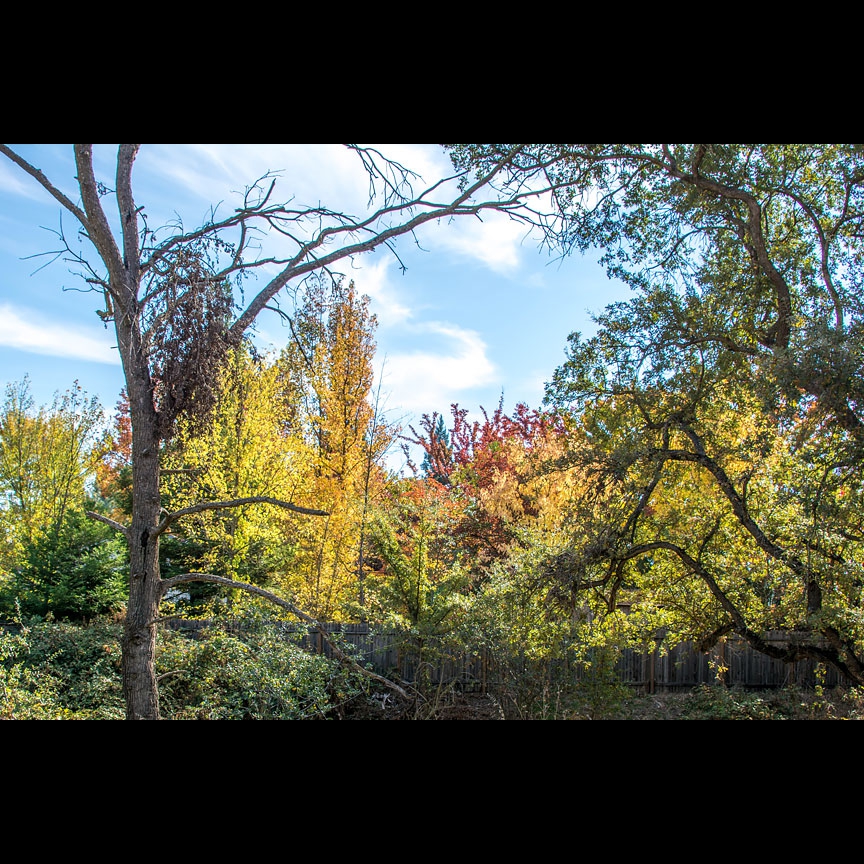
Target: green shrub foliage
62,670
75,573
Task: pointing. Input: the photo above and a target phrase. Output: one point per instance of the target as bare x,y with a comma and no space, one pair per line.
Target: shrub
254,674
60,670
76,573
71,671
54,671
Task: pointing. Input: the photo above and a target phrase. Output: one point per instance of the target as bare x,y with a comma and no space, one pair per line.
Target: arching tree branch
838,652
236,502
185,578
115,525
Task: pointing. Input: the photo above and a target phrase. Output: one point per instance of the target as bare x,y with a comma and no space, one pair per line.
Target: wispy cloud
27,331
14,181
424,381
309,174
374,280
496,241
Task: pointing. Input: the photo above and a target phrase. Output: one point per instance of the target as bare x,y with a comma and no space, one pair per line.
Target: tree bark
145,591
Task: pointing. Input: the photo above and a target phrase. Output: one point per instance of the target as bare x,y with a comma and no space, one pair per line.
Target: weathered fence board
681,667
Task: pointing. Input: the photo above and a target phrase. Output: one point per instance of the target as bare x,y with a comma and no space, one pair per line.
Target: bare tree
171,300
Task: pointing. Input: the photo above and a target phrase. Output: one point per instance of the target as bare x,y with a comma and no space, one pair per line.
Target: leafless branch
45,183
115,525
71,257
236,502
395,177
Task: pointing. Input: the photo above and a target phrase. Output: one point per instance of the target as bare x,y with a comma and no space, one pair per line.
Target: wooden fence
682,667
732,662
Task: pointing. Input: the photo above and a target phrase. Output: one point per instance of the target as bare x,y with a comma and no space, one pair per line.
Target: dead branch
45,183
236,502
185,578
115,525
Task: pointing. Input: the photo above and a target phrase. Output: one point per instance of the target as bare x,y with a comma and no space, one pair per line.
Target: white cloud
372,279
496,241
25,331
425,381
11,182
311,174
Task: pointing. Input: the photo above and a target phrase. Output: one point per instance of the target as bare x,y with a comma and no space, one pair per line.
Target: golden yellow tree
248,450
329,369
46,456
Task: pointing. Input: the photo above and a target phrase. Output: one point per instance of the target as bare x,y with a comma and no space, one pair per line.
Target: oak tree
722,405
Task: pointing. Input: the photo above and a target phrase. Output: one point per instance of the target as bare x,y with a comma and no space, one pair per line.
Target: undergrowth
57,671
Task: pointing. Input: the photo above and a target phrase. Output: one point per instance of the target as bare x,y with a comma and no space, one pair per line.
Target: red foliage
117,451
472,458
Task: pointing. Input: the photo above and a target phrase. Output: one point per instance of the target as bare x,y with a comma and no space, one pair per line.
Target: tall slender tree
331,373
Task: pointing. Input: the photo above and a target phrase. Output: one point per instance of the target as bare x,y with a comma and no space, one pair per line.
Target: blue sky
481,310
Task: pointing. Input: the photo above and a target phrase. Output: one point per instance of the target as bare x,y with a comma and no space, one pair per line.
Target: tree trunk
139,636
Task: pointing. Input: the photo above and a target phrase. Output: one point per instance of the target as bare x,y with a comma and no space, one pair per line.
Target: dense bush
62,671
66,671
256,674
51,670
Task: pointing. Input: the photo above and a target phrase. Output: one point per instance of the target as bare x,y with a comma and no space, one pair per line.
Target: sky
480,312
